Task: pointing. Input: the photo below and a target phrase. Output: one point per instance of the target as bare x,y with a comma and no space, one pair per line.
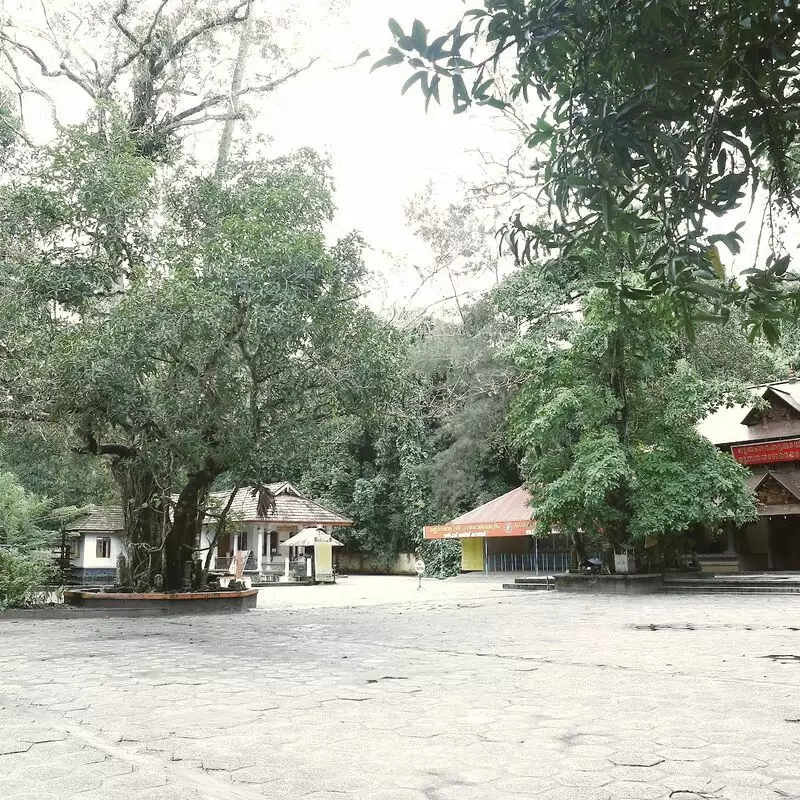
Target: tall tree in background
654,118
163,64
606,416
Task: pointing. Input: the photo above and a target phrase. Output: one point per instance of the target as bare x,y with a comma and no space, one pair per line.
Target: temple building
766,440
498,537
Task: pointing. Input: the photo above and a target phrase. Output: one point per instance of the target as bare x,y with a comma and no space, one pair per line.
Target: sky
383,146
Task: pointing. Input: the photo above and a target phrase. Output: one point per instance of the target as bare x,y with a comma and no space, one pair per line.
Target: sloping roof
290,506
99,519
309,536
725,426
513,506
789,479
753,416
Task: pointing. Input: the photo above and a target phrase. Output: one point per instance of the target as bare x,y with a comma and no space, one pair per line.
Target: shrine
764,437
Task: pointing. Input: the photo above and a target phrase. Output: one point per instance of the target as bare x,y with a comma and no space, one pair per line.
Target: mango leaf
394,27
388,61
417,76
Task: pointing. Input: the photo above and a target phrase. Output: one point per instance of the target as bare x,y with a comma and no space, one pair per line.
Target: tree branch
122,8
63,70
216,22
216,99
140,45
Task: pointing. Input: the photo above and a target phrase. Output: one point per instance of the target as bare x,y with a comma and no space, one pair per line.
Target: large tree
653,119
181,321
606,415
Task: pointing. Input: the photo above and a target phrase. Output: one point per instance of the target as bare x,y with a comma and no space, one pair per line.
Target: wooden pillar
260,546
731,538
770,548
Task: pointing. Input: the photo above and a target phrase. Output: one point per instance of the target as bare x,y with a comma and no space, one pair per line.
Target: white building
98,538
95,541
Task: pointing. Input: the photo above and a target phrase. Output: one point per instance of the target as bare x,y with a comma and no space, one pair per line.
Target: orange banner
478,530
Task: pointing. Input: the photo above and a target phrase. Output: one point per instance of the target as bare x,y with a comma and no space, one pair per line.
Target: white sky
383,145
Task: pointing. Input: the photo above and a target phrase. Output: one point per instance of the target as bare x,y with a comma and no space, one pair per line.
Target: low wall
94,576
609,584
365,564
147,603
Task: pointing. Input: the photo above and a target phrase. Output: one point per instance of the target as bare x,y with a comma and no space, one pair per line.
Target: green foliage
656,116
41,460
606,417
21,516
26,561
22,576
432,449
726,351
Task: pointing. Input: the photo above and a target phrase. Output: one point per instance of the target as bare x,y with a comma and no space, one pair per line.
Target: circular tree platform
163,602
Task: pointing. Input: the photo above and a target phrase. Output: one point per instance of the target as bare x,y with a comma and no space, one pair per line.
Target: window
242,540
74,548
265,544
103,547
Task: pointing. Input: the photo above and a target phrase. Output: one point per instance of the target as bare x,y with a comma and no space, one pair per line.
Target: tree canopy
653,118
605,415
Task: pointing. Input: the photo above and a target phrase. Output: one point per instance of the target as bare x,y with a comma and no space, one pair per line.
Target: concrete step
528,587
532,582
730,587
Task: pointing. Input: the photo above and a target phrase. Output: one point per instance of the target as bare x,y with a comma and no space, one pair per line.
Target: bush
23,576
442,559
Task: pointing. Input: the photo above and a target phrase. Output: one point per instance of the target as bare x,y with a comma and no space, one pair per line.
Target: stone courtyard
372,690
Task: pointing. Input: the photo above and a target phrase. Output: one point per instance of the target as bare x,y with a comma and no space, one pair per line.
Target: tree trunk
145,520
219,531
237,79
580,548
186,524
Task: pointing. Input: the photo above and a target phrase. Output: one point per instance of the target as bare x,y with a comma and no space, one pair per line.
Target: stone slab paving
375,691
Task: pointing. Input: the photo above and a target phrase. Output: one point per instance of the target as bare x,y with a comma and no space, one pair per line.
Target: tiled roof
789,479
513,506
725,426
290,506
100,519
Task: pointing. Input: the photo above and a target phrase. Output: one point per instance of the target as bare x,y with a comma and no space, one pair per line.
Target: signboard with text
479,530
767,452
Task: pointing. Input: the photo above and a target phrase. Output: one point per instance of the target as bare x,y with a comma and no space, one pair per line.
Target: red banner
767,452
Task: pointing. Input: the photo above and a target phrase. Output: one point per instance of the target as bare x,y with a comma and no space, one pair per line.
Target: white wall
88,558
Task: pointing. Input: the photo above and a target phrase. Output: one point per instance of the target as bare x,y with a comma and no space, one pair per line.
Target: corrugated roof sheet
513,506
290,506
100,519
725,425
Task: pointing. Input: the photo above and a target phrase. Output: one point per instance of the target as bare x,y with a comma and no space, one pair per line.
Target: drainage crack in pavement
201,781
579,664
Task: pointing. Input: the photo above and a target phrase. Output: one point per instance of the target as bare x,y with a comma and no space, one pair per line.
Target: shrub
23,576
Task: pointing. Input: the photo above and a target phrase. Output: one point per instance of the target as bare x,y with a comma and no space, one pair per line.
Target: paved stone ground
370,690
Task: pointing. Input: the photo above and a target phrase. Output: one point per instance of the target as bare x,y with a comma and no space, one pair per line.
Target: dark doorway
784,533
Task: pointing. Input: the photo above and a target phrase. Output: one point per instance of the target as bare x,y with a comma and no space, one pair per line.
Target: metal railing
544,562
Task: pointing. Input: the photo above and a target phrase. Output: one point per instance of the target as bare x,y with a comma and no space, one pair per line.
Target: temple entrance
784,543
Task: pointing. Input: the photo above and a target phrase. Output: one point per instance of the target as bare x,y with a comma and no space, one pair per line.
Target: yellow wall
472,554
323,560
